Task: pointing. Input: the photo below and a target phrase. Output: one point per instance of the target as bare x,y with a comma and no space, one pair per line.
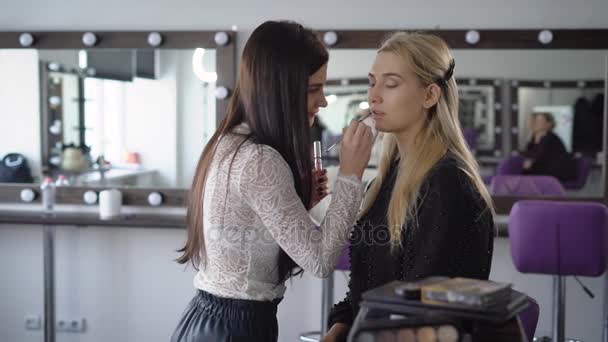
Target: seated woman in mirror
428,212
248,223
546,153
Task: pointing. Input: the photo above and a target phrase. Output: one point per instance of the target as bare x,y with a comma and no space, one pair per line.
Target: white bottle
47,188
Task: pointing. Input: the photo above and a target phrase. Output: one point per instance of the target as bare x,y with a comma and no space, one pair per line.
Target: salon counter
79,218
129,219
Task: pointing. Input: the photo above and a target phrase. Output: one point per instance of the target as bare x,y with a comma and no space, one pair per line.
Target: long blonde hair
430,58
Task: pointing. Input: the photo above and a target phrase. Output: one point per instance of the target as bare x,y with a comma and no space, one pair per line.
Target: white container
110,203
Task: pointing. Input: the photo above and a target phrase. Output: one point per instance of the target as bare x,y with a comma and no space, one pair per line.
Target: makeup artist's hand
355,149
319,186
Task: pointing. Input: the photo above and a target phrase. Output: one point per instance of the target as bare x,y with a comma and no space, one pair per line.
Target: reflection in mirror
109,117
562,118
576,107
346,102
493,115
19,95
478,115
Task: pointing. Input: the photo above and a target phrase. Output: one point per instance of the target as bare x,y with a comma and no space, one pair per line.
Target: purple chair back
471,137
529,318
559,238
344,261
583,169
513,165
514,185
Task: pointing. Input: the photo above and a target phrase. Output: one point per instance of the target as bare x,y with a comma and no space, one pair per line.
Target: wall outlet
33,322
71,325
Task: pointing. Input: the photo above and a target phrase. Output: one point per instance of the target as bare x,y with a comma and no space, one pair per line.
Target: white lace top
250,215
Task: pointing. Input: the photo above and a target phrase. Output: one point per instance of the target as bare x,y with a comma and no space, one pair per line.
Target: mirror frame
527,39
225,68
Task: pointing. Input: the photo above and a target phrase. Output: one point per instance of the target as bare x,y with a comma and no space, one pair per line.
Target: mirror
108,117
493,112
477,112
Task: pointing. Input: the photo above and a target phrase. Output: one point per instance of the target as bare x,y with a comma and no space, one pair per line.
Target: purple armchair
508,166
515,185
583,169
560,239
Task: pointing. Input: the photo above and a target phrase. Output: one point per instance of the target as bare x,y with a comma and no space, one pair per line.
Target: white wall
20,111
131,269
192,14
512,64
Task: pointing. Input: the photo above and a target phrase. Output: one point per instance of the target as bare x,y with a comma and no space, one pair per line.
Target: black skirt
212,318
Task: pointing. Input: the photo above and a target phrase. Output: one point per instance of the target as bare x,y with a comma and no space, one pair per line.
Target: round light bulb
221,38
54,66
545,37
55,101
472,37
27,195
90,197
155,39
55,130
89,39
55,160
330,38
26,39
155,199
221,93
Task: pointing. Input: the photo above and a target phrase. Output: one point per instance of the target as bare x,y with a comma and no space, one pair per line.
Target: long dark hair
271,97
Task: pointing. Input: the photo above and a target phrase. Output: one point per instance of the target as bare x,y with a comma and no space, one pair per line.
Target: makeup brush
337,142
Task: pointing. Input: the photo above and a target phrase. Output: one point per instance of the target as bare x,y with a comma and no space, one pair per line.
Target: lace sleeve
267,186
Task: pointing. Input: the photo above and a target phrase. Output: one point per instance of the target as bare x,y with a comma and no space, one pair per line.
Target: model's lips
377,113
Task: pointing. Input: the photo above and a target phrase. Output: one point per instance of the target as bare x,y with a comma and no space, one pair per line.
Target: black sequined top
453,237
